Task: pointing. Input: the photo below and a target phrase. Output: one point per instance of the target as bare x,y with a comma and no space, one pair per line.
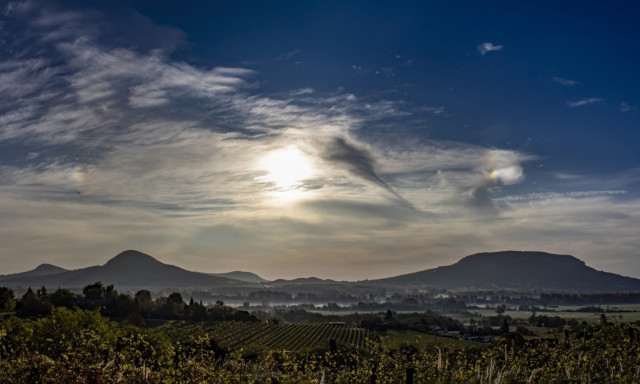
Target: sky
338,139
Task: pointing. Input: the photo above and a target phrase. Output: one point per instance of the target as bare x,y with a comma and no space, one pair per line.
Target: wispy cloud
563,81
487,47
302,91
359,162
583,102
165,154
561,195
439,110
625,107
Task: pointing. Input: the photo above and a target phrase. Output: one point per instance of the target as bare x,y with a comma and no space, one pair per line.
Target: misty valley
319,192
145,321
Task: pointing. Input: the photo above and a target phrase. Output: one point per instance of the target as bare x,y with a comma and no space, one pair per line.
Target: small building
476,334
481,339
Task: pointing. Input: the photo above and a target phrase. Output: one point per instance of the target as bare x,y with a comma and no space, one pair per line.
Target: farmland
394,339
629,312
288,337
105,337
79,346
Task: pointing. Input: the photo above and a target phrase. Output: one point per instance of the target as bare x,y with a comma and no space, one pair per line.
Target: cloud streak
359,162
583,102
487,47
565,82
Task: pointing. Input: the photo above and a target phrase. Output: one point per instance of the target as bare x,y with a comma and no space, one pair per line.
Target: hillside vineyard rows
234,335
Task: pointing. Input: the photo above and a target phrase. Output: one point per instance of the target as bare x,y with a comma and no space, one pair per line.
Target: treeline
110,303
589,298
549,299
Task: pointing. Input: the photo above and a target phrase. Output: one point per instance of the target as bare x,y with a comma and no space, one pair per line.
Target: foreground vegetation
83,346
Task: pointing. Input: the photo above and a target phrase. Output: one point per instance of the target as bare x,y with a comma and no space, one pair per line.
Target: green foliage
547,321
121,306
233,335
95,291
524,331
7,299
33,305
80,346
63,298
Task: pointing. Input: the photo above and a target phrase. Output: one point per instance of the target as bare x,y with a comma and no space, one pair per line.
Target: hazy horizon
305,274
338,140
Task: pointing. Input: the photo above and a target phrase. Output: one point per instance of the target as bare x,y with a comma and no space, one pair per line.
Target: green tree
171,307
63,297
122,305
505,325
136,319
144,302
110,292
221,312
32,305
42,292
7,299
95,291
603,319
196,311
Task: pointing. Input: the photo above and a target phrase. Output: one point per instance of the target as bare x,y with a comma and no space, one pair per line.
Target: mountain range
514,270
127,269
518,270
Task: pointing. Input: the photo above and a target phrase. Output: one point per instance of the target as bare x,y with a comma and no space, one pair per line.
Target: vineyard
76,346
290,337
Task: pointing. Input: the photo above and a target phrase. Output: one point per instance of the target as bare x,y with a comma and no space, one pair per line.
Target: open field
567,313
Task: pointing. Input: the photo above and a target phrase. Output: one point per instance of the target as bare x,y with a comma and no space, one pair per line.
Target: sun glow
287,169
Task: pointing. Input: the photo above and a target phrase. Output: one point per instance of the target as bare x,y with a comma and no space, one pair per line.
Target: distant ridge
524,270
131,258
304,281
40,270
242,276
511,270
132,269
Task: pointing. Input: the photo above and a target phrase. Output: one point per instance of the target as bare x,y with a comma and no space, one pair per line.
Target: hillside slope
249,277
40,270
518,270
127,269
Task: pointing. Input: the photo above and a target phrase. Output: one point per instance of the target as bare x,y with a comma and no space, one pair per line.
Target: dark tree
63,297
172,308
32,305
42,291
505,326
144,302
95,291
7,299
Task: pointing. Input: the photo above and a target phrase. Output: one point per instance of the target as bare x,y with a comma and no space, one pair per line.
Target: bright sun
286,168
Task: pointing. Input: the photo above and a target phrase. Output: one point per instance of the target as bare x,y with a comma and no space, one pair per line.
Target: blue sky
348,140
